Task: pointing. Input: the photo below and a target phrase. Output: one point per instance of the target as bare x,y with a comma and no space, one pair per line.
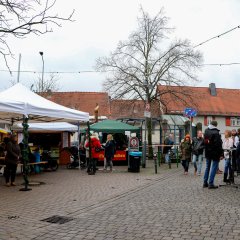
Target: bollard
169,161
159,156
155,161
177,156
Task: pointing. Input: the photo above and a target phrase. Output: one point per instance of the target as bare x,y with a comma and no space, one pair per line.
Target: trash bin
134,161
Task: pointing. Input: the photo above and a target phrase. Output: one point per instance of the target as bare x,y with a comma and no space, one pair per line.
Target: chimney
212,88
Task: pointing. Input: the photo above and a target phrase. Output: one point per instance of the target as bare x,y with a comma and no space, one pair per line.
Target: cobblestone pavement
120,205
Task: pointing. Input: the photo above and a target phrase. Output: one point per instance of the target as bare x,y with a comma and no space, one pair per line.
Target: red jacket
94,143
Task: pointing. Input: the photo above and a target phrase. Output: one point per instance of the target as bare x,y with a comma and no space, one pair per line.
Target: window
208,119
235,121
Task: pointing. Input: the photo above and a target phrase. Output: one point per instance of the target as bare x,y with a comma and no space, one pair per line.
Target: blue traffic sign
190,112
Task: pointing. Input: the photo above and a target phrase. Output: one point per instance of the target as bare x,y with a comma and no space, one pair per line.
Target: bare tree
19,18
50,84
147,59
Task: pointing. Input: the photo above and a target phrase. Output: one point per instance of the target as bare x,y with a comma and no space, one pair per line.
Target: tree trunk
149,136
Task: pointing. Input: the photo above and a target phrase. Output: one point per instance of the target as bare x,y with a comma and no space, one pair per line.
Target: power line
220,64
52,72
218,36
91,71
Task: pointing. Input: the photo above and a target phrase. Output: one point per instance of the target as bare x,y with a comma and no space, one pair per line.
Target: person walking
168,142
95,147
213,153
235,144
12,158
87,152
197,151
227,146
109,152
186,150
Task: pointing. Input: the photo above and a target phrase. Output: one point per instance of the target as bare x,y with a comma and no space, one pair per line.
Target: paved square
120,205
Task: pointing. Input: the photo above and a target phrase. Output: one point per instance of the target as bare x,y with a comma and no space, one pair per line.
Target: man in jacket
197,151
213,153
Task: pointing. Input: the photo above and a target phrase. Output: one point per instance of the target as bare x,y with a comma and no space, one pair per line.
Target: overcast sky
100,25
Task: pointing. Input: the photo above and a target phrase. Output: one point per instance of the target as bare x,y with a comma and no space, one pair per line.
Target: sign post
190,113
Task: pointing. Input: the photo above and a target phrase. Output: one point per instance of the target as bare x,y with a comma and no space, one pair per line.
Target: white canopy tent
19,100
18,103
50,126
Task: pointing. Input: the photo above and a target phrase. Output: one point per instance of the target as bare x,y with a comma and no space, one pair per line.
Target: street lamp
147,114
41,53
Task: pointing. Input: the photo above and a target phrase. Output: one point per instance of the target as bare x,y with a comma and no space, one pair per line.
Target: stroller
74,161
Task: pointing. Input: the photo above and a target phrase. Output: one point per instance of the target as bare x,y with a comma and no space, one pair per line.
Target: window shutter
205,121
228,121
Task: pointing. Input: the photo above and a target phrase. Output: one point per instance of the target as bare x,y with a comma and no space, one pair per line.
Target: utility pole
19,66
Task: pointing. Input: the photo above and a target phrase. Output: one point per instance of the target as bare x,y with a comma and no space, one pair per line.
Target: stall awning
52,126
177,120
112,126
4,131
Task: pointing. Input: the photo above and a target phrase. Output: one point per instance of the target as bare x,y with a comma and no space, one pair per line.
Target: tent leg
79,160
90,147
25,155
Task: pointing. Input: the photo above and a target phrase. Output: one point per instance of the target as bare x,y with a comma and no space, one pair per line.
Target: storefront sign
120,155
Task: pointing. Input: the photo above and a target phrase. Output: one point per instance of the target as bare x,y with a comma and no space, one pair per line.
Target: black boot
231,177
225,178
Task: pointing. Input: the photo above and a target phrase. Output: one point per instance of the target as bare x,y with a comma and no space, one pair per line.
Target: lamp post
41,53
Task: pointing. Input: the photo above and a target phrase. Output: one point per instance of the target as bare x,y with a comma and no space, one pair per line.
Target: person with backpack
95,147
213,154
197,151
110,150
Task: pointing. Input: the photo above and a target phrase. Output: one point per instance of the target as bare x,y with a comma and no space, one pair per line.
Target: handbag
97,149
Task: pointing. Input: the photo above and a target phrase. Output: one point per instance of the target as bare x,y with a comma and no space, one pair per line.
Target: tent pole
90,148
25,154
79,161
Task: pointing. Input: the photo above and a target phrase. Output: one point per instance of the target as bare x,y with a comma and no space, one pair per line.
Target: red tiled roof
225,103
82,101
131,109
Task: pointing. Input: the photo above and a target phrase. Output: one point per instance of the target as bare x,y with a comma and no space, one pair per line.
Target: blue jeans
210,179
199,159
227,166
185,164
167,157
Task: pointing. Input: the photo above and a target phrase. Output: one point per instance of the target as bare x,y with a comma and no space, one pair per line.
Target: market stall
19,104
119,130
52,137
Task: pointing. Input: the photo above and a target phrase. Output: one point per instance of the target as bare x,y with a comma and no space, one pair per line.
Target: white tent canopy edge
18,100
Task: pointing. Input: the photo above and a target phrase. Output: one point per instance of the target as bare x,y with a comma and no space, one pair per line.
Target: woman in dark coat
109,151
186,151
12,158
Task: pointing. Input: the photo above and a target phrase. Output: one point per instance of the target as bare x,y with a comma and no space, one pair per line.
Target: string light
91,71
52,72
218,36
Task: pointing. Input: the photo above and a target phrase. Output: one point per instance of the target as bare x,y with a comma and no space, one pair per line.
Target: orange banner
120,155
